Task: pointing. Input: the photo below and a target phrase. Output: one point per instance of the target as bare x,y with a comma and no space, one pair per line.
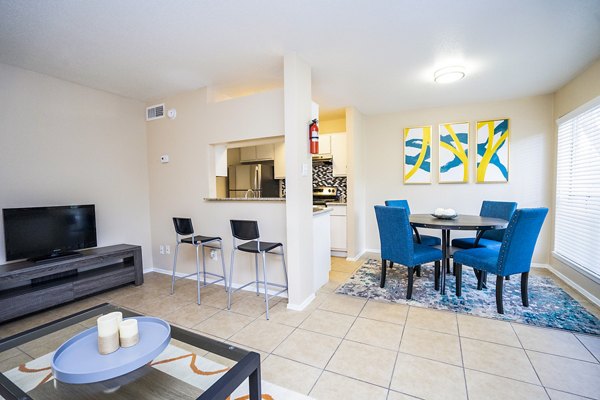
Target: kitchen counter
336,203
321,210
280,199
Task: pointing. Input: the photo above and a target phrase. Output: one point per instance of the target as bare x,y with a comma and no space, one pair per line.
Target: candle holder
108,332
128,333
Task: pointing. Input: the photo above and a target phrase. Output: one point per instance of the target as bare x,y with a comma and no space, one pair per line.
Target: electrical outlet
162,249
213,254
168,249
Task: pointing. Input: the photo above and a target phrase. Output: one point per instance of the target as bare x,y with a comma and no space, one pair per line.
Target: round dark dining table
460,223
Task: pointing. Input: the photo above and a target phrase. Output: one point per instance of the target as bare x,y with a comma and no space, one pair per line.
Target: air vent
155,112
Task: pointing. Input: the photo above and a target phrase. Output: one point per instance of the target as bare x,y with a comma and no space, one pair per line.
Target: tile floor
342,347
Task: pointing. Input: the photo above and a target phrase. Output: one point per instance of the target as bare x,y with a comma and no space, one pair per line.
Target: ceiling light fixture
449,74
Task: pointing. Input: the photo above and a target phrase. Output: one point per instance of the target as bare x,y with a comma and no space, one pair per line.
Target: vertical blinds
577,216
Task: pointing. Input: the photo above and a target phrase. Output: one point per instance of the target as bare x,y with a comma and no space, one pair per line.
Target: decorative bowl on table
444,213
78,361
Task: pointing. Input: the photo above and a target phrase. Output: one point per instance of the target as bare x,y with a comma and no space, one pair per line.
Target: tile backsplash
323,176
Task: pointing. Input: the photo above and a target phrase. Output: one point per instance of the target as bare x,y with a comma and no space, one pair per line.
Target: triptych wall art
453,138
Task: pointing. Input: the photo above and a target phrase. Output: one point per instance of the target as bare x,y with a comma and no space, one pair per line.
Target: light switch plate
304,169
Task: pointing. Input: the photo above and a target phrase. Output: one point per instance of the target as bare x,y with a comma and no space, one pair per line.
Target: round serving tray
78,360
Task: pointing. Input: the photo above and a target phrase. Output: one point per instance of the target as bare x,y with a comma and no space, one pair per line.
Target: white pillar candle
128,332
108,332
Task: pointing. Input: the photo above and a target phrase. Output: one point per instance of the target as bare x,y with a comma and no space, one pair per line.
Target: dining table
459,222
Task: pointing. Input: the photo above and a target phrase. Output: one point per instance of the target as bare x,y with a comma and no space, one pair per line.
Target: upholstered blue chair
397,245
513,257
491,239
418,238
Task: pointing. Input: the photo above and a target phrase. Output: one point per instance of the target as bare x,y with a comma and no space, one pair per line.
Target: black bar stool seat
258,247
199,239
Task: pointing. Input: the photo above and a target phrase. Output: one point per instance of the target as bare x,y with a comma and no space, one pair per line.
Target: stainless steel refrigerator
252,180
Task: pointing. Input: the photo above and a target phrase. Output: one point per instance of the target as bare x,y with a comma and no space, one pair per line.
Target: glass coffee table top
191,367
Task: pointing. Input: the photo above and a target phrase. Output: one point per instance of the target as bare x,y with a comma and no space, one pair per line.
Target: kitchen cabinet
339,154
279,156
262,152
338,230
324,144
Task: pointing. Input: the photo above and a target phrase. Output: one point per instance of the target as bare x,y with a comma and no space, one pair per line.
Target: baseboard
193,278
303,305
575,286
356,257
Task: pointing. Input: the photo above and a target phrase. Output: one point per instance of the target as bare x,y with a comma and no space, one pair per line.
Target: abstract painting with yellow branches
454,152
417,154
492,151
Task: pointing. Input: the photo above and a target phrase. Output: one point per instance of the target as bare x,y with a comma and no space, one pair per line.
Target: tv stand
28,286
55,257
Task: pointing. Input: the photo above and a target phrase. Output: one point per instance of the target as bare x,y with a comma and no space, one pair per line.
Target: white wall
61,143
580,90
179,187
531,161
297,82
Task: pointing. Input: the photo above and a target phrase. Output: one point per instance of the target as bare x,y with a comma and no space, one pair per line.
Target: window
577,216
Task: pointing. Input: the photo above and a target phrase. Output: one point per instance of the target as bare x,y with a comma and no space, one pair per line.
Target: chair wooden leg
418,269
508,278
383,267
458,271
390,265
436,275
479,275
499,283
524,292
410,283
484,279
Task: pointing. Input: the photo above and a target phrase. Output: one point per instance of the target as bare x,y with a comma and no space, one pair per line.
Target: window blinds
577,215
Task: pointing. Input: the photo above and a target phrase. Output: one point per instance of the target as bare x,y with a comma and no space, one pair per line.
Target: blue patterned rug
549,305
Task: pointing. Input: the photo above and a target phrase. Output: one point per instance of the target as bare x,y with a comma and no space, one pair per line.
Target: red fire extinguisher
313,136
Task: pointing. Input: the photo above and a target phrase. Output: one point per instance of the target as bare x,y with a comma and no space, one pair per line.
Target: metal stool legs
257,282
200,283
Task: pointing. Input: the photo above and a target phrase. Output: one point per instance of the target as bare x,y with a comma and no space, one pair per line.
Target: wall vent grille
155,112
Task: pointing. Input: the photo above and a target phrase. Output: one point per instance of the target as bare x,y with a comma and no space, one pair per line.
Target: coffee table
191,367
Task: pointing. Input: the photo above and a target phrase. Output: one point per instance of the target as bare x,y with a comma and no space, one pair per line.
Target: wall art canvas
454,152
417,155
492,151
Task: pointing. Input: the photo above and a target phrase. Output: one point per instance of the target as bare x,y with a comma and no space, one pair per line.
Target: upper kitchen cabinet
279,155
263,152
338,148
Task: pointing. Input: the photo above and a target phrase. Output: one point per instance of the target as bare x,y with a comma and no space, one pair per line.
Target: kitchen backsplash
323,176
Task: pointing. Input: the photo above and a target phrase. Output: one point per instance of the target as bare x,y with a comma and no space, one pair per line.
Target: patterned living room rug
35,377
549,305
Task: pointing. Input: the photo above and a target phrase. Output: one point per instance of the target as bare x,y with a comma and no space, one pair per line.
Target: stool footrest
261,283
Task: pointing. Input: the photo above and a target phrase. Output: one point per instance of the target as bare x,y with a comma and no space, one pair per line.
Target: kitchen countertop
336,203
276,199
321,210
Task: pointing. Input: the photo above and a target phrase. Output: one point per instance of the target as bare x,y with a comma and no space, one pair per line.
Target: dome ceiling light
449,74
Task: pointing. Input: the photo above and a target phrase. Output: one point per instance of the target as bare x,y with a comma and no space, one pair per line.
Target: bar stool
248,230
184,227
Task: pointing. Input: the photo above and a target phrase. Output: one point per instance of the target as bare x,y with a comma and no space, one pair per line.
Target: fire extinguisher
313,136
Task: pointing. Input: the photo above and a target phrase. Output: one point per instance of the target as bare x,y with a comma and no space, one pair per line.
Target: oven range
324,194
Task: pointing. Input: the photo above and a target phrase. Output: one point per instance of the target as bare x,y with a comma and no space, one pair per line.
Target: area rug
191,368
549,305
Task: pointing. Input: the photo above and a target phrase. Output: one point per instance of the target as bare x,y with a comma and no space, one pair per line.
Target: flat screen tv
41,233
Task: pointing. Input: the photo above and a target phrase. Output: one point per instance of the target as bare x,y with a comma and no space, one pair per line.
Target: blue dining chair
418,238
513,257
397,245
491,239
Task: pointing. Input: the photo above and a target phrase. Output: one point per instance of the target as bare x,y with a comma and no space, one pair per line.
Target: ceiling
377,55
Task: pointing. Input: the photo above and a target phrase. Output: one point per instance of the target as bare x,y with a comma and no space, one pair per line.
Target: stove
324,194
